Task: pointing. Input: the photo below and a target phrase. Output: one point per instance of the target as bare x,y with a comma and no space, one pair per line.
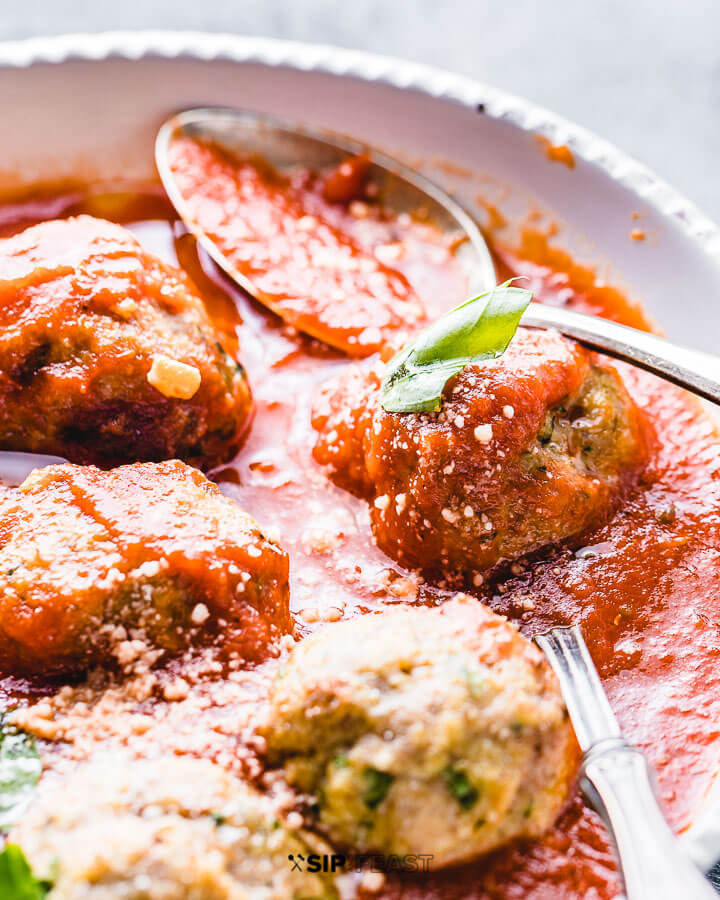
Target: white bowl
89,106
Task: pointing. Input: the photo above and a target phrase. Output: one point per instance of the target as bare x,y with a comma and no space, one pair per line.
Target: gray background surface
645,75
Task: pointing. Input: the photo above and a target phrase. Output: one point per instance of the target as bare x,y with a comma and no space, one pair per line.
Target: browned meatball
438,731
108,355
97,567
528,450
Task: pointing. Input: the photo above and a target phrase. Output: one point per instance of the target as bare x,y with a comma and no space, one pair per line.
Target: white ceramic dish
58,93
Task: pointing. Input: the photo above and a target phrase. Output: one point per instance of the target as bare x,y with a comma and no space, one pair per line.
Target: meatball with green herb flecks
528,450
170,829
423,731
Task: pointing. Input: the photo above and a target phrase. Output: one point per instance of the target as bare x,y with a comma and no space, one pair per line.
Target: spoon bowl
288,148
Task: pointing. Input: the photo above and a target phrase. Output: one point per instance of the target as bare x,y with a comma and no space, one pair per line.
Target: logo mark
339,862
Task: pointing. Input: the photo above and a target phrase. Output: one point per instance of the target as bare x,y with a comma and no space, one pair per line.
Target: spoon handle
692,369
618,782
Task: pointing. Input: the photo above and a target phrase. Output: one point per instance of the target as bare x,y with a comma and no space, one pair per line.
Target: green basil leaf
17,881
20,769
477,330
377,784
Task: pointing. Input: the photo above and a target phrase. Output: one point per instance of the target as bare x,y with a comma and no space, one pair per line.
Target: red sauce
312,249
645,591
556,152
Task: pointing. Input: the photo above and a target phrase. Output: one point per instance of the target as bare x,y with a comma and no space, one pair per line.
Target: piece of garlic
173,378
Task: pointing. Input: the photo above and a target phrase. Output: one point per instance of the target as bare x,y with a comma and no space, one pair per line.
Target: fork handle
619,784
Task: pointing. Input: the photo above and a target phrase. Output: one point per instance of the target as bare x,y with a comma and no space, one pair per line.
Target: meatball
97,565
171,829
107,354
528,450
436,731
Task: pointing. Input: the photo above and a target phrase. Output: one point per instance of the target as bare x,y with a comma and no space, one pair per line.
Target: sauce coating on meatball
528,450
424,731
99,567
107,354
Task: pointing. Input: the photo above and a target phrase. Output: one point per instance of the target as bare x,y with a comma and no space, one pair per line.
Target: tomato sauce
646,588
311,248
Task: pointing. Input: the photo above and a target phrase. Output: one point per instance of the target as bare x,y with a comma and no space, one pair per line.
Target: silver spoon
290,147
287,146
618,781
692,369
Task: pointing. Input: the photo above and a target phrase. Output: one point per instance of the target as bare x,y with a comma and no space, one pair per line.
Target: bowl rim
702,839
392,71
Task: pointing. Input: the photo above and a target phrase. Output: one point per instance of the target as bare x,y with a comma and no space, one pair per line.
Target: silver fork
618,782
